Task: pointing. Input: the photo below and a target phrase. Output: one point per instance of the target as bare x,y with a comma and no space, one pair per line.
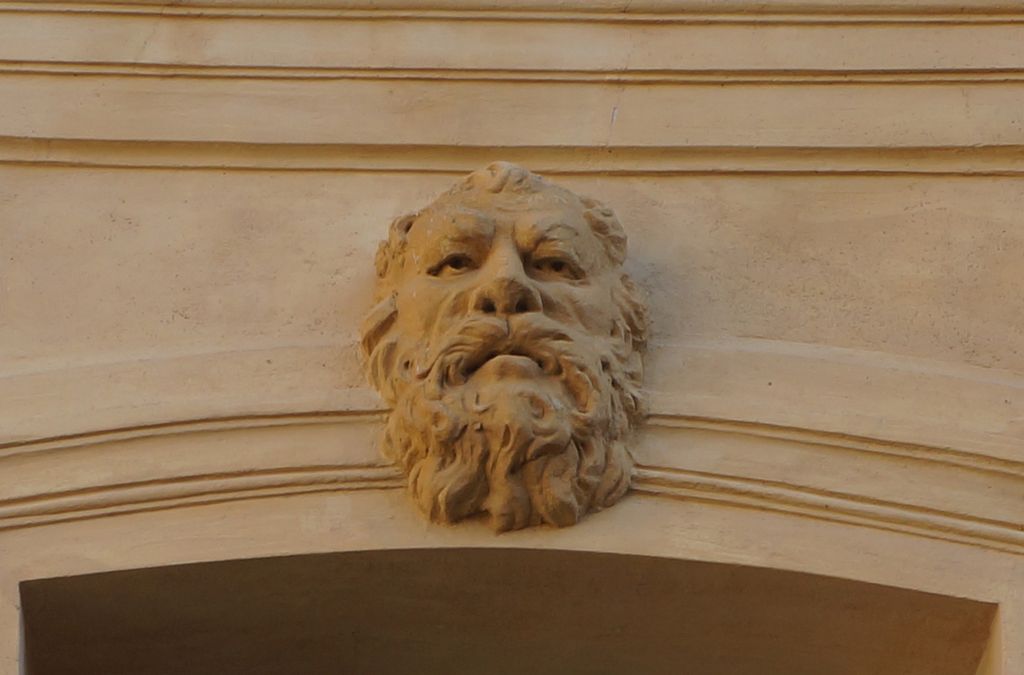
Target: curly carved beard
533,436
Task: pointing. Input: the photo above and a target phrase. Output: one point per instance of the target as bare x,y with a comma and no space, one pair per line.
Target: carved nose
505,297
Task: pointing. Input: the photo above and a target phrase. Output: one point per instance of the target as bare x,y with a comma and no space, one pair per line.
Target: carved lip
512,362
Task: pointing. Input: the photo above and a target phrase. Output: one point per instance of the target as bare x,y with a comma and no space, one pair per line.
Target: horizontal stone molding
620,10
547,113
965,76
437,45
982,161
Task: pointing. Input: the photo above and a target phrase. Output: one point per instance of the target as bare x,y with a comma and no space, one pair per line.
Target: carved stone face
508,341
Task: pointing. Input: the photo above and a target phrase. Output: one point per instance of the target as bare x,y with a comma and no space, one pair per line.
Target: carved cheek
586,306
418,306
560,304
432,303
458,300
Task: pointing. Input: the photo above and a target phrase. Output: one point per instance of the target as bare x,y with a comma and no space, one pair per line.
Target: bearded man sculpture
508,341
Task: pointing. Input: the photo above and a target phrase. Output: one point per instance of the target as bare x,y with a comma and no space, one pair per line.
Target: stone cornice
702,11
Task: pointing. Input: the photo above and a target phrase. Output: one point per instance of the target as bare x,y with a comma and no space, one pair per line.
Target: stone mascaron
508,340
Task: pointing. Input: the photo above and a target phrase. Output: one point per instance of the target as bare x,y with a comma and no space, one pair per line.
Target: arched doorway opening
452,610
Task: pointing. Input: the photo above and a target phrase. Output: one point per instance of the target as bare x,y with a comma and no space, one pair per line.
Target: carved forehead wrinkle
435,226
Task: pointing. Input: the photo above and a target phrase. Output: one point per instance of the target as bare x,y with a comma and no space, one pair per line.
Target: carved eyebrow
475,242
549,232
462,229
459,232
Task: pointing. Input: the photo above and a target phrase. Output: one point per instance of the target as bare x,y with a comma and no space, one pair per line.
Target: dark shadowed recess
491,611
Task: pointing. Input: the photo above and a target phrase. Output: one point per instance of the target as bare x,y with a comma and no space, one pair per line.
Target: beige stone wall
823,200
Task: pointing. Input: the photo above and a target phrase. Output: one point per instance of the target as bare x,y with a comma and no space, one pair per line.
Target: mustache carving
477,340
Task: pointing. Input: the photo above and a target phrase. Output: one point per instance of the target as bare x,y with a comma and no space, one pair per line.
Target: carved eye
453,264
556,267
